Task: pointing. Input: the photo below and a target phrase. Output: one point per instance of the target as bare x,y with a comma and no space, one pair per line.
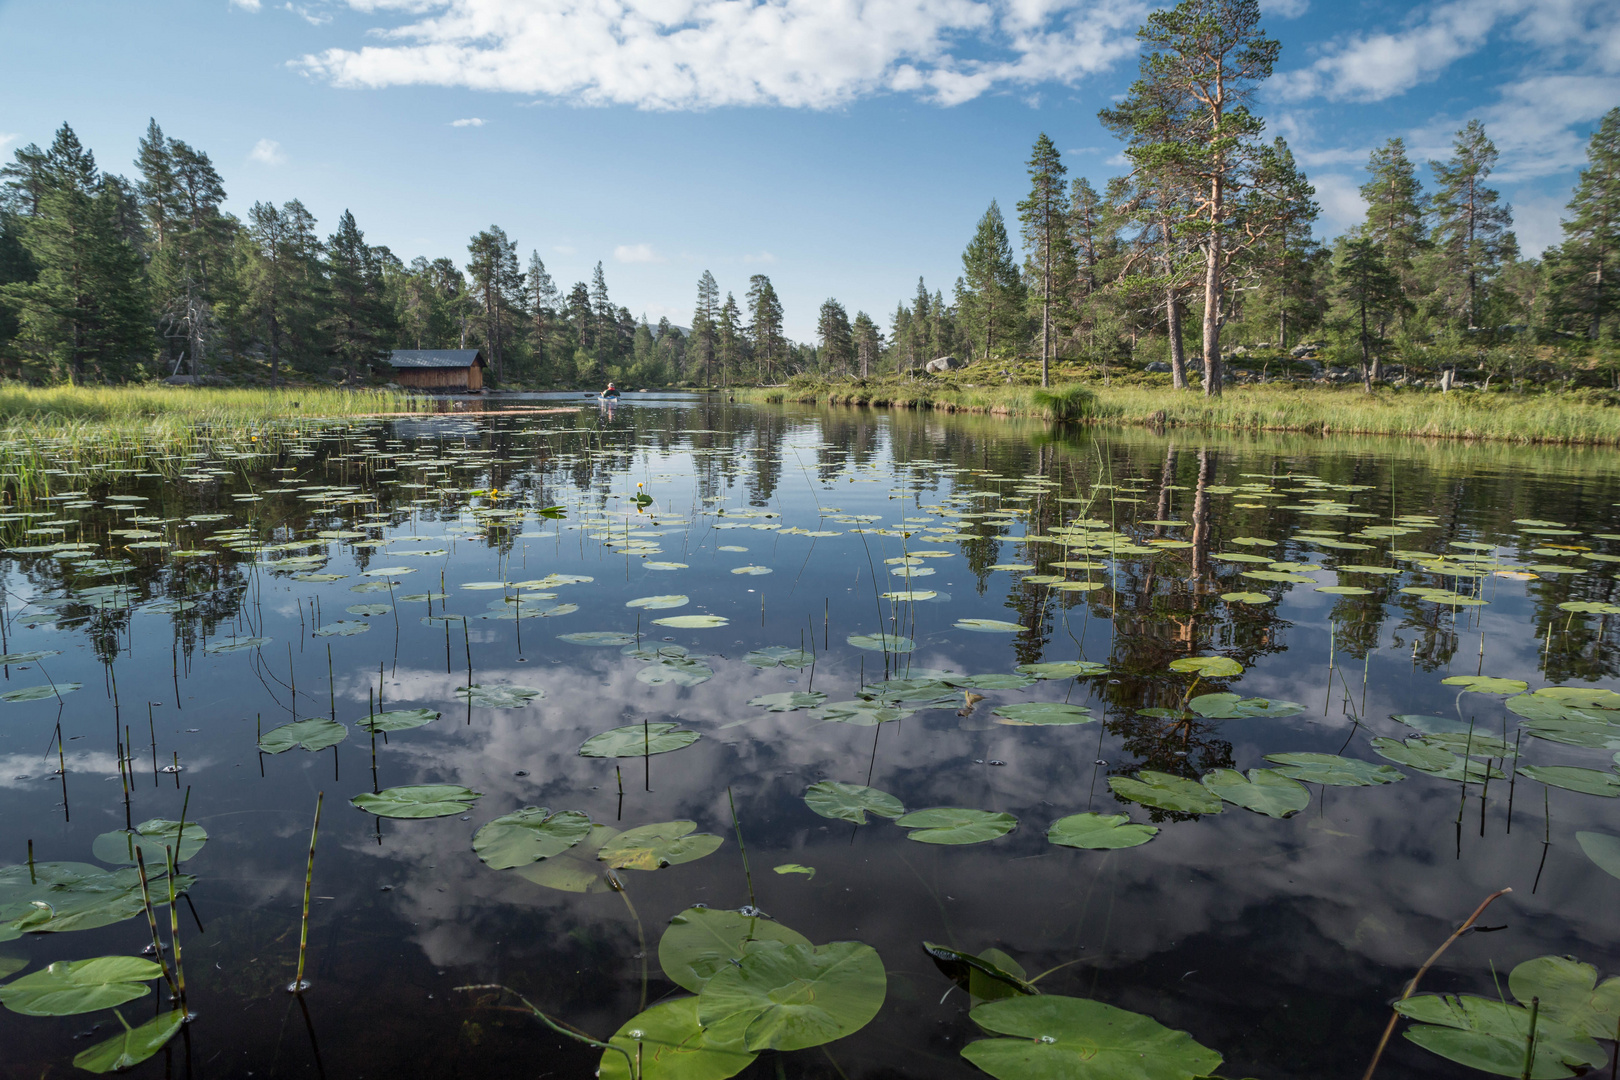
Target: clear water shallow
1276,942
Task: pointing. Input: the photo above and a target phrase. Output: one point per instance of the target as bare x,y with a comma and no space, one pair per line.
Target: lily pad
342,628
1233,707
528,835
955,825
151,838
659,603
576,869
1246,598
1431,725
69,987
1602,849
667,1043
56,897
751,571
1484,684
39,693
1207,667
237,645
315,733
1042,714
1099,832
652,847
1571,778
1064,669
498,697
692,622
597,637
779,655
133,1045
418,801
990,976
397,720
894,643
795,868
1166,792
860,713
1065,1038
1333,770
637,740
679,670
995,680
700,941
789,701
1570,994
796,996
1491,1035
1266,791
990,626
850,802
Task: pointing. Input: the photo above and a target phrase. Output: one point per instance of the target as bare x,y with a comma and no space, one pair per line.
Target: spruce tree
356,320
704,316
765,326
1472,227
1396,208
991,294
282,276
868,341
837,340
1586,266
1050,266
1370,291
498,282
541,302
730,340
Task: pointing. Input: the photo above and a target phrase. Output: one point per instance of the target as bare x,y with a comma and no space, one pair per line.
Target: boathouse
448,371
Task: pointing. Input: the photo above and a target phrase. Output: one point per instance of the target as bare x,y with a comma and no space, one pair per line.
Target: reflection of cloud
14,768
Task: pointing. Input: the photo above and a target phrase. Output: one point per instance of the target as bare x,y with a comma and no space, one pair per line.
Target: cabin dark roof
436,358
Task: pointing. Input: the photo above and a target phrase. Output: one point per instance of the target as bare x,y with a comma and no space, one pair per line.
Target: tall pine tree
1586,266
991,297
1472,226
1050,266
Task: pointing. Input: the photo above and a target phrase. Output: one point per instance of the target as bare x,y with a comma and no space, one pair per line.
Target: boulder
1159,367
943,363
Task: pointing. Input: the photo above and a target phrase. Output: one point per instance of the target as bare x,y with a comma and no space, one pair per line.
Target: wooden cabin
444,371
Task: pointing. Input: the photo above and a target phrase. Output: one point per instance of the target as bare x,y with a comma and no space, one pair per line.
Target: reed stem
298,984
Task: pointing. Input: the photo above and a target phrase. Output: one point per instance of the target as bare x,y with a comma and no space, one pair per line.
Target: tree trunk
1046,318
1282,329
1212,307
1201,515
1178,347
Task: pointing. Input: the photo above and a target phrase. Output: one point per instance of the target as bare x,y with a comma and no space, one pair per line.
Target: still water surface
1278,942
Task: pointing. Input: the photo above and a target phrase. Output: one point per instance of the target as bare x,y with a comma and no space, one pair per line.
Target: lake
766,623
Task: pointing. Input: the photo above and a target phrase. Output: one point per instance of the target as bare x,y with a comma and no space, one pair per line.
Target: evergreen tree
704,316
730,339
604,320
1472,227
837,340
583,323
84,310
1584,268
497,281
1370,291
1050,267
282,275
765,326
991,295
356,322
868,342
1282,207
1396,207
542,302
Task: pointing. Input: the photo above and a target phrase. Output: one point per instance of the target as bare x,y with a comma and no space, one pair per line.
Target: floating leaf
990,626
237,645
700,941
1246,598
1064,669
1207,667
28,657
69,987
1065,1038
667,1043
1042,714
652,847
1166,792
1484,684
1570,994
576,869
783,655
659,603
664,565
860,713
342,628
637,740
850,802
789,701
1432,725
597,637
150,837
38,693
752,571
989,976
498,697
1571,778
992,681
133,1046
418,801
1266,791
1099,832
315,733
692,622
55,897
1232,707
894,643
397,720
529,835
1333,770
795,868
1602,849
796,996
1492,1036
956,825
679,670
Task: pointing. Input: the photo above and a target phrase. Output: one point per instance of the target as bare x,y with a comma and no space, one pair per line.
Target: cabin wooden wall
463,379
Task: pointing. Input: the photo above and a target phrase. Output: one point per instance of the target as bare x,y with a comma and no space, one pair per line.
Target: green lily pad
132,1046
860,713
1582,697
668,1043
1491,1036
789,701
796,996
638,740
894,643
315,733
795,868
664,566
1064,669
498,697
1279,576
995,680
1570,994
10,965
652,847
1246,598
701,941
1099,832
1333,770
151,838
1266,791
1598,734
751,571
1065,1038
1166,792
28,657
69,987
1602,849
397,720
990,976
1207,667
1233,707
692,622
237,645
956,825
597,637
39,693
56,897
342,628
990,626
1042,714
1484,684
1571,778
679,670
659,603
529,835
418,801
576,869
850,802
779,655
1431,725
368,609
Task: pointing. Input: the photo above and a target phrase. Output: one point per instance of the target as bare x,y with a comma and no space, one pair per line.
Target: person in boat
611,391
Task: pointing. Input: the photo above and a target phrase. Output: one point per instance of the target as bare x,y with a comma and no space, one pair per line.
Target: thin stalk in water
174,930
747,873
151,922
298,984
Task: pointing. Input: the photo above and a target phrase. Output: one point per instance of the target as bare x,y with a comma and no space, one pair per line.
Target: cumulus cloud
267,152
1340,200
636,253
1286,9
471,121
685,54
246,5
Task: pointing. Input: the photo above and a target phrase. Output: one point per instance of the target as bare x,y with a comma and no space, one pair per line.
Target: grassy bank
1578,418
142,404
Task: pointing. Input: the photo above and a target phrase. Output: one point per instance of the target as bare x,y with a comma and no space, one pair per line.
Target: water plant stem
1530,1040
736,824
298,984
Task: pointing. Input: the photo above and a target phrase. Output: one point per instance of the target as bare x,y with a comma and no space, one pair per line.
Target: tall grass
64,404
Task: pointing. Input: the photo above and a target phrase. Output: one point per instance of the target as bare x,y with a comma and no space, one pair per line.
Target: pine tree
1370,290
1396,207
282,275
868,341
498,281
541,302
1283,204
765,326
1584,267
704,315
992,294
1050,266
356,319
730,340
1472,226
604,320
837,340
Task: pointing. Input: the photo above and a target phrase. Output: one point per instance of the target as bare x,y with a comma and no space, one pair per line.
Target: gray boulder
1159,367
943,363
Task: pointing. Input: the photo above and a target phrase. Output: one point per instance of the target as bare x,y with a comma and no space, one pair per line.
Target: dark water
1278,943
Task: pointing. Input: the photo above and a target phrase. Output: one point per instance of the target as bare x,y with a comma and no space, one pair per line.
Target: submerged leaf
1571,778
576,869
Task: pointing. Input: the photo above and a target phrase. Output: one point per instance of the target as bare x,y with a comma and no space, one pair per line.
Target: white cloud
681,54
1340,200
1286,9
471,121
246,5
636,253
1538,221
267,152
759,257
7,138
314,18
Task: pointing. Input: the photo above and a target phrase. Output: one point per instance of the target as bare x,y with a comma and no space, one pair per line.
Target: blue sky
844,147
